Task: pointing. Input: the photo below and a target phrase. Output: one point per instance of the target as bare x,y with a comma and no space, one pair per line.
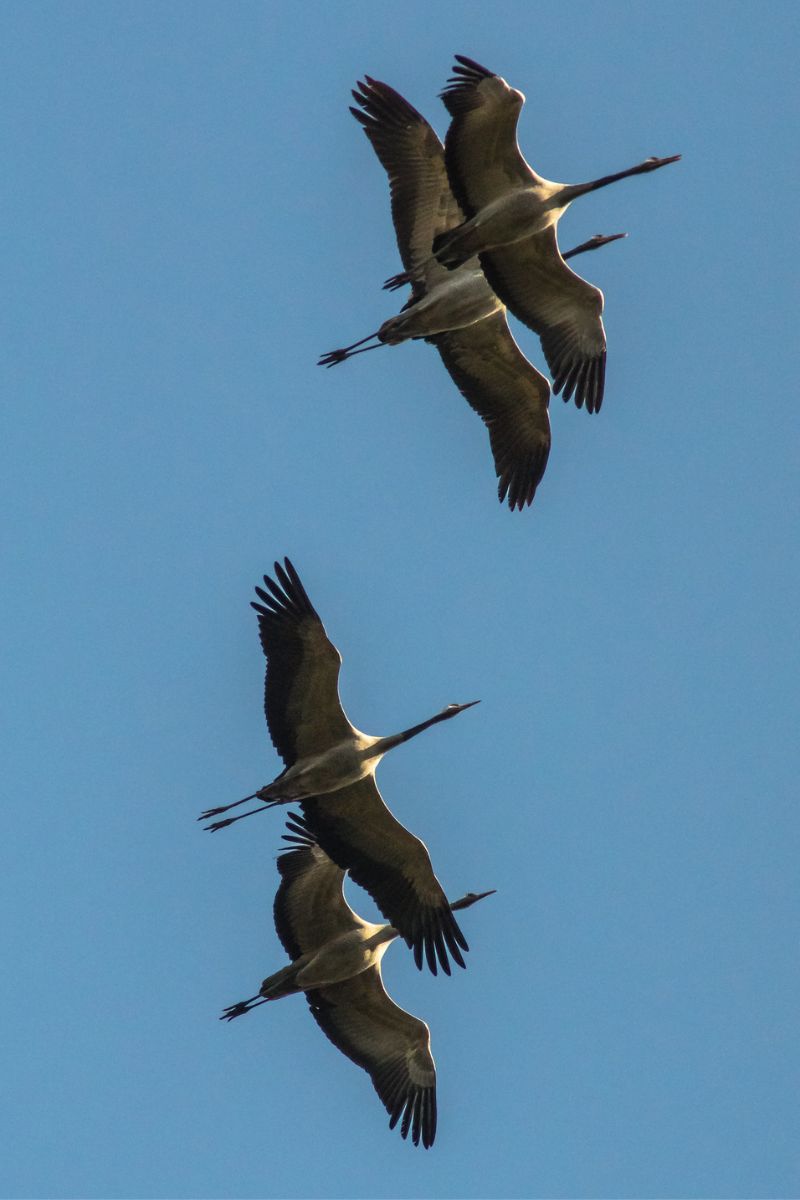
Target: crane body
322,749
342,958
453,302
510,218
504,199
353,758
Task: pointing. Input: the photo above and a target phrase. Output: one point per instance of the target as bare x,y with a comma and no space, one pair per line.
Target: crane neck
396,739
571,191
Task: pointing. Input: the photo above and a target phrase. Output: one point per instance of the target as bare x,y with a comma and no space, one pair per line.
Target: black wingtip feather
427,1138
283,596
384,105
360,116
415,1131
430,953
472,67
441,950
297,826
407,1114
456,932
570,379
601,382
459,92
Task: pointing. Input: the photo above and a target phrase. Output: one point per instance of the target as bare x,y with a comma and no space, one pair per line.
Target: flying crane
454,310
336,960
512,215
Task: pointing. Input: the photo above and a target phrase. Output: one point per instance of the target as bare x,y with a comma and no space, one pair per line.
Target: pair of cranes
329,769
476,230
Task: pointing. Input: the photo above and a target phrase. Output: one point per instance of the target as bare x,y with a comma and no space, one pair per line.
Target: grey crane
336,960
512,215
454,310
330,770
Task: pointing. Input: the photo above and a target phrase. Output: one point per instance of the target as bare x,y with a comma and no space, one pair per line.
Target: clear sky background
191,217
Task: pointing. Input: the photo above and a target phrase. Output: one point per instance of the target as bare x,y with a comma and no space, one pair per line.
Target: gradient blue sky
191,217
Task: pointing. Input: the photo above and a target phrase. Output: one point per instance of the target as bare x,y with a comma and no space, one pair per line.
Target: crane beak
654,163
602,239
457,708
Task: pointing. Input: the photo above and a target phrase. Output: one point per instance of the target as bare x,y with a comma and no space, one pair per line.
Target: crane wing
538,287
508,393
413,157
301,695
356,829
362,1021
482,156
310,909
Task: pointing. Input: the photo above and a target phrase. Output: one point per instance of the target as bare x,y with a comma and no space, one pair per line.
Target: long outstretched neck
396,739
571,191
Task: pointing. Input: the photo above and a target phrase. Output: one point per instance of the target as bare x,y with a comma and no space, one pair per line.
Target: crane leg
214,812
397,281
232,820
243,1006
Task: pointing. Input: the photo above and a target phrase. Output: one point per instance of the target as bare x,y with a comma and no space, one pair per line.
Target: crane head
451,709
653,163
471,898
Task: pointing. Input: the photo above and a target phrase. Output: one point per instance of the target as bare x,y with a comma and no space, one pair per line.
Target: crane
330,768
512,214
455,310
336,960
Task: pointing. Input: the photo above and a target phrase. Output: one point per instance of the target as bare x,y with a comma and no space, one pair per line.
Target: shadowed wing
310,909
483,158
392,1046
511,397
356,829
423,205
538,287
301,696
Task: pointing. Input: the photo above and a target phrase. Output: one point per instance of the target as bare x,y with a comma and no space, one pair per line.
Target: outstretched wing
390,1044
538,287
301,699
481,152
356,829
511,397
423,205
310,909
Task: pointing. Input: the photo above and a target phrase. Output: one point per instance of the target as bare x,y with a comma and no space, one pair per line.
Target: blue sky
192,217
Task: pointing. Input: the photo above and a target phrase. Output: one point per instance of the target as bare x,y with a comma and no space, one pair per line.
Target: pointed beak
457,708
602,239
654,163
